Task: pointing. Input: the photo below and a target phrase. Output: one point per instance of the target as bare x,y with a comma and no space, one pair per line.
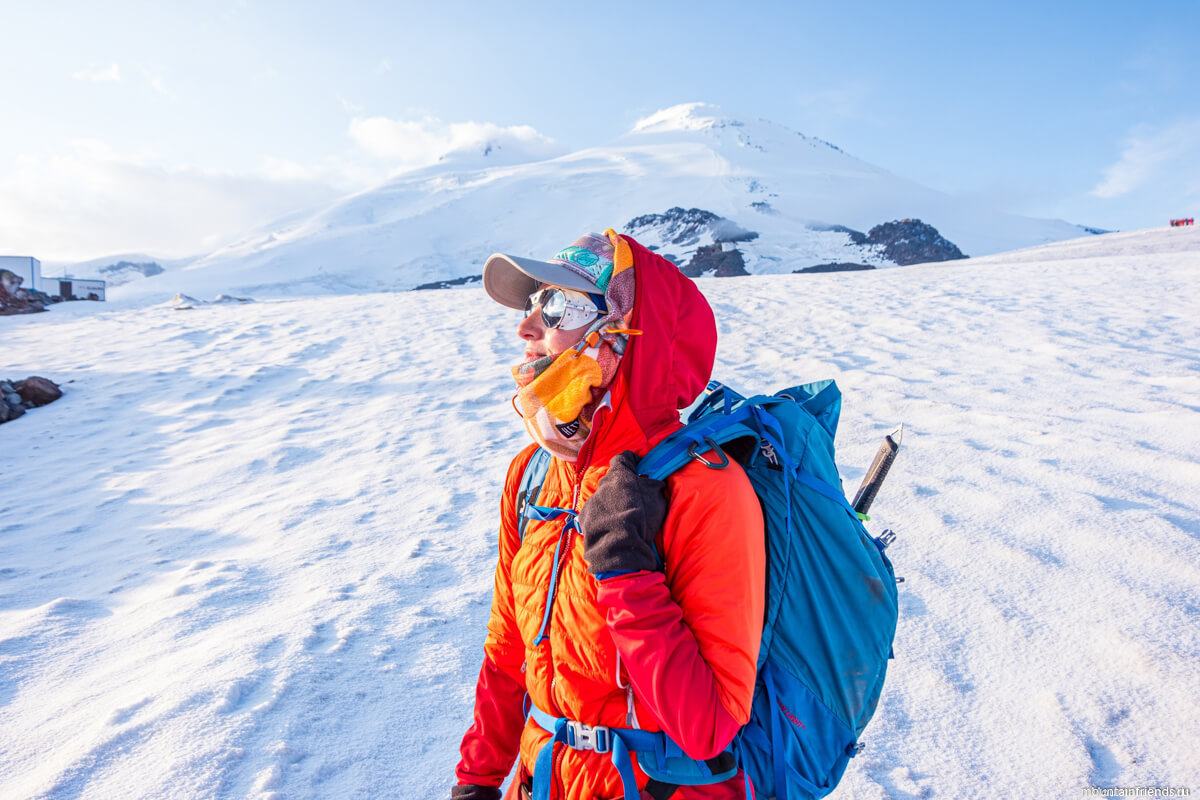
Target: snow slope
249,553
442,222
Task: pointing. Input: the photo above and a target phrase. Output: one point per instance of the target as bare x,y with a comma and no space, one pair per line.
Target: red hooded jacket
686,639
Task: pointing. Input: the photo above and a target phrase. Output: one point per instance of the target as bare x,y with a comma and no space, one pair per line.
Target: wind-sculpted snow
249,553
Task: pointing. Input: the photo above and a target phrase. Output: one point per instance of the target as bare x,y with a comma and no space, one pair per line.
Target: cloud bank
93,201
409,144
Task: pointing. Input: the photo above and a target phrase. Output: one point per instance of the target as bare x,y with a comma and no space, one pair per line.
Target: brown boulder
37,391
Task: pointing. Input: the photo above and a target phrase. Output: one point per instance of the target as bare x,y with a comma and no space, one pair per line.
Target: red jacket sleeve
689,638
490,745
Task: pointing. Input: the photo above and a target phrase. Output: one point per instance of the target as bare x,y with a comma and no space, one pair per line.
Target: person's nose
531,327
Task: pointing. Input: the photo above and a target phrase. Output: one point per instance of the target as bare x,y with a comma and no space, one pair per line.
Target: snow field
250,552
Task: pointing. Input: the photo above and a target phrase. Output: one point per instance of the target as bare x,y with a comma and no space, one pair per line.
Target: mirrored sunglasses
565,309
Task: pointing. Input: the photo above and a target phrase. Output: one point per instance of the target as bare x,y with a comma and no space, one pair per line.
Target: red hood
665,368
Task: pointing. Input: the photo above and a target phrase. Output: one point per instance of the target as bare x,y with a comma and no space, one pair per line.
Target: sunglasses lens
554,305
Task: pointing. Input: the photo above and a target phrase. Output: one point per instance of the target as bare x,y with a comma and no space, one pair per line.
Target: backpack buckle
589,737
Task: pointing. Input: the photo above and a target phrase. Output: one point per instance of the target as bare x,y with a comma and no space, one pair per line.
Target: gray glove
621,519
468,792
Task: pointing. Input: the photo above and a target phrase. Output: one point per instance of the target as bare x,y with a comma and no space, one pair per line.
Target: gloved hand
620,520
467,792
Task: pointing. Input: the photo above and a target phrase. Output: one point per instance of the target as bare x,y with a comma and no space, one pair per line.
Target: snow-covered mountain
804,198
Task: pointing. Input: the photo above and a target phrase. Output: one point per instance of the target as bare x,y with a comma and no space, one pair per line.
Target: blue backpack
831,604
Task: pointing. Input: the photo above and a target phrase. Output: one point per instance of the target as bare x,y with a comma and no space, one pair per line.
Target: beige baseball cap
585,265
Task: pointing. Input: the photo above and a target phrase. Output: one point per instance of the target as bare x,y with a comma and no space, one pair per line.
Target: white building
28,267
75,288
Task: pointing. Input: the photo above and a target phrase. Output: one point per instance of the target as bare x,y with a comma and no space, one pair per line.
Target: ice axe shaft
878,471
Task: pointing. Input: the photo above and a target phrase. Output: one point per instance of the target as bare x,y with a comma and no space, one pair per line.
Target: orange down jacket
685,639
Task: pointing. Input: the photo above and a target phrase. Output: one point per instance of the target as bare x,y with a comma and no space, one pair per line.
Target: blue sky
170,127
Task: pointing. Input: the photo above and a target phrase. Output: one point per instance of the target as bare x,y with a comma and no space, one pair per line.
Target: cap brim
509,280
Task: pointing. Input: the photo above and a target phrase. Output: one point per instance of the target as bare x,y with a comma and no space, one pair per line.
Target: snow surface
250,552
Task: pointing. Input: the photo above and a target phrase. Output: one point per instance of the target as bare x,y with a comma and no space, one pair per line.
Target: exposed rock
14,299
685,227
715,260
17,397
10,412
834,267
910,241
37,391
466,280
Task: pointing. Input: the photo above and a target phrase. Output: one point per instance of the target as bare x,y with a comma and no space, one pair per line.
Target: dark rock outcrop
713,259
466,280
17,397
834,267
685,228
910,241
14,299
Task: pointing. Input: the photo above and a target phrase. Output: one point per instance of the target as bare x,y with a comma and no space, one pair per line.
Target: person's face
542,341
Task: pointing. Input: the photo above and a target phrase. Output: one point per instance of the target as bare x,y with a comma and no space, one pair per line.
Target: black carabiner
691,451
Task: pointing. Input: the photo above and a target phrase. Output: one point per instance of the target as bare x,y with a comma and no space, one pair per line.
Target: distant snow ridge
125,271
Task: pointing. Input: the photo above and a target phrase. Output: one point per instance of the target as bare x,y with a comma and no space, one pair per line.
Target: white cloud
1169,158
158,83
109,74
415,143
385,66
93,201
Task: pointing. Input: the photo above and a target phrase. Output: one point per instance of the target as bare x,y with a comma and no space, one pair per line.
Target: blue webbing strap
543,768
825,490
544,514
672,453
621,742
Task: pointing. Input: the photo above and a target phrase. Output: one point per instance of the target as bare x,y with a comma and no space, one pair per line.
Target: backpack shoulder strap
531,486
